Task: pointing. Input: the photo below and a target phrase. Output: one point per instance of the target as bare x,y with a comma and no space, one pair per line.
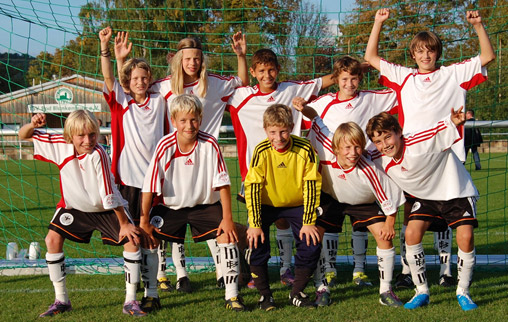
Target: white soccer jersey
187,179
86,181
428,169
214,103
425,99
247,105
361,184
358,109
135,131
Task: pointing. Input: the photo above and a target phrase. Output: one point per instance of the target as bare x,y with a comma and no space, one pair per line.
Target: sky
58,23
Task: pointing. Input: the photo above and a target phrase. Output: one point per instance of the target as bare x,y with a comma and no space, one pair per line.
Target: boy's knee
54,242
413,235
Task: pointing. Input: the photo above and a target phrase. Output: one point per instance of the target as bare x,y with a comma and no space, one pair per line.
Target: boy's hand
148,229
253,234
131,232
122,45
382,15
105,35
38,120
473,17
458,117
228,228
239,44
299,103
387,232
310,232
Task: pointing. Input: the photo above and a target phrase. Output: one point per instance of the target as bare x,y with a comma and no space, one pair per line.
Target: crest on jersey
224,177
387,204
157,221
66,219
416,206
108,201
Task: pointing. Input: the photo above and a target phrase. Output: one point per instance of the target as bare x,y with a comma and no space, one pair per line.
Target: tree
12,70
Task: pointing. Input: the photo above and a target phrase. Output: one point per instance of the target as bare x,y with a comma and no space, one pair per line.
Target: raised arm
327,81
300,104
239,46
122,49
486,51
371,53
26,131
107,68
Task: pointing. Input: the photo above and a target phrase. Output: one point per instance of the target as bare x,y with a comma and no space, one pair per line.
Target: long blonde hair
177,73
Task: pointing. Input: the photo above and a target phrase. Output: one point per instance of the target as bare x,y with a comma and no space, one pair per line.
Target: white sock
131,263
416,260
465,265
285,244
403,260
215,252
385,264
161,255
359,245
178,255
443,244
230,268
56,268
319,274
149,271
330,246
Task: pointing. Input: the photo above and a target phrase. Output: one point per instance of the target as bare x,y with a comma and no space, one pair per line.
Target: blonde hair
177,73
349,131
79,121
278,115
128,67
186,103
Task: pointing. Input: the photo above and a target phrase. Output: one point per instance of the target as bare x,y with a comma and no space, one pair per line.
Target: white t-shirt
187,179
135,130
214,103
86,181
247,105
425,99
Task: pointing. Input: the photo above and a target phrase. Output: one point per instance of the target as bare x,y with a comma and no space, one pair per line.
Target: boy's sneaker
266,303
446,281
404,281
419,300
331,278
220,283
323,298
466,303
183,285
235,304
287,278
301,300
132,308
251,284
57,308
361,279
150,304
390,299
164,285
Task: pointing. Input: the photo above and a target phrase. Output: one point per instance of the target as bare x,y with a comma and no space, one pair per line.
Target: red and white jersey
217,94
428,169
135,131
361,184
425,99
247,105
358,109
86,181
187,179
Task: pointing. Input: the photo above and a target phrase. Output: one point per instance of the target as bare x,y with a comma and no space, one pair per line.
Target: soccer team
167,170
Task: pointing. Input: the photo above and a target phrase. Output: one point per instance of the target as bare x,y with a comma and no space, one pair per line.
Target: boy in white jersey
247,105
353,185
348,104
425,94
90,201
425,167
188,176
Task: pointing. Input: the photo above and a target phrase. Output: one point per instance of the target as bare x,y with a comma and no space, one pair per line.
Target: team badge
109,200
387,204
157,221
416,206
224,177
66,219
319,211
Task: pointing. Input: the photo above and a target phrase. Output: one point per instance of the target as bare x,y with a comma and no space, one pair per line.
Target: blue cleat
419,300
466,303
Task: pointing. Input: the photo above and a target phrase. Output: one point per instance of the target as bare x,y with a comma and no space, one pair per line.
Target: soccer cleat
266,303
183,285
323,298
164,285
251,284
132,308
419,300
466,303
301,300
150,304
220,283
287,278
390,299
331,278
57,308
235,304
361,279
404,281
446,281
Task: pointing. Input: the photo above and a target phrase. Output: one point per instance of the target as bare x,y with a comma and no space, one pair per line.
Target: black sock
260,276
302,276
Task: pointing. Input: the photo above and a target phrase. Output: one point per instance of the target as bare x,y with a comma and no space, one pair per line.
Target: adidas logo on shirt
403,169
81,167
349,106
342,176
271,99
191,92
281,165
427,80
189,162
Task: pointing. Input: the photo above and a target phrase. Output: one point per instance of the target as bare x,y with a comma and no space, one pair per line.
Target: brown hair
264,56
347,64
382,123
278,115
349,131
128,67
426,39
